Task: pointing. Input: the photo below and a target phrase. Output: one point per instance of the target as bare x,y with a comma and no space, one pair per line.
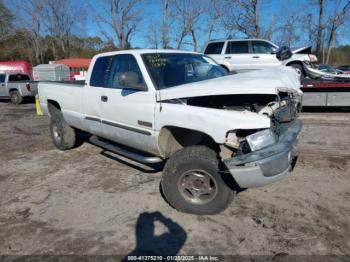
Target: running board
128,154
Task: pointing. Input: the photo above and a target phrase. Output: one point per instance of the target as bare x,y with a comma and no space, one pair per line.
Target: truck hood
269,81
303,50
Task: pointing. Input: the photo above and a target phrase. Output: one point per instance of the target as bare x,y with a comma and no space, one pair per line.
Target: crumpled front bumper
267,165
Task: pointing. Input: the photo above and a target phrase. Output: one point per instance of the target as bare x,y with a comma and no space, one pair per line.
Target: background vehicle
326,92
17,87
344,68
13,67
252,54
215,131
327,69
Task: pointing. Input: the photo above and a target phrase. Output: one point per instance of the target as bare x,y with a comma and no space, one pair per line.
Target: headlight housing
261,139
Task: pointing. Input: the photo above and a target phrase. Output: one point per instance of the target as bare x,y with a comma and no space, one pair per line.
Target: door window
124,72
262,47
237,47
2,78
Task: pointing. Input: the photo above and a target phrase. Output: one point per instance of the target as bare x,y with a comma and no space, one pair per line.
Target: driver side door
127,114
263,54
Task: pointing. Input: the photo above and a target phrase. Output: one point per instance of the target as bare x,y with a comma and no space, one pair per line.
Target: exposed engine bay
282,109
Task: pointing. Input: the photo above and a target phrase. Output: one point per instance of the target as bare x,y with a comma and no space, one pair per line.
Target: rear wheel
16,98
192,182
63,136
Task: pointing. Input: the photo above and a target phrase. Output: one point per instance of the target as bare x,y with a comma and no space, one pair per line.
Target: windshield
173,69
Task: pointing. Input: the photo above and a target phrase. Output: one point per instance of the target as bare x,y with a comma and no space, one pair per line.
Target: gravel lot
86,201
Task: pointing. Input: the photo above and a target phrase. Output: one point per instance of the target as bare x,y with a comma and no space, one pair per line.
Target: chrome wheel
56,133
197,186
14,98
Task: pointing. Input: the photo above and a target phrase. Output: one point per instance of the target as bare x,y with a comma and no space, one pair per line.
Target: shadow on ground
150,244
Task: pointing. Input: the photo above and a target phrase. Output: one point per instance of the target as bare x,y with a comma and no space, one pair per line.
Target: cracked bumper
267,165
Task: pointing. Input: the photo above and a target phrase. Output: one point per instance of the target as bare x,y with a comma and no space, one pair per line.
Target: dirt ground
86,201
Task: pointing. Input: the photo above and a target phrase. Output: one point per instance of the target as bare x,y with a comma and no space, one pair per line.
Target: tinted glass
124,72
18,77
262,47
2,78
214,48
237,47
344,67
173,69
99,73
108,70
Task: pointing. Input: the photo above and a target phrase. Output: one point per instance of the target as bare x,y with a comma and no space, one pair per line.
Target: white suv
253,54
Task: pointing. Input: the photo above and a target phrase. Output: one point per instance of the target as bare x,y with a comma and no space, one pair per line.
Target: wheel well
295,62
53,107
13,89
172,139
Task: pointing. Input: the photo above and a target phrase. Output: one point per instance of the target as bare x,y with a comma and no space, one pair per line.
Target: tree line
42,30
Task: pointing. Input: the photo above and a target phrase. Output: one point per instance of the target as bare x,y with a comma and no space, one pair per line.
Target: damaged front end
261,157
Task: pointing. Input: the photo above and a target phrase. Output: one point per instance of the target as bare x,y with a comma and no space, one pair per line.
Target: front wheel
16,97
192,182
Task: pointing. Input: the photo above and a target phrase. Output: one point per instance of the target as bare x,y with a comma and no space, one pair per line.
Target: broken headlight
261,139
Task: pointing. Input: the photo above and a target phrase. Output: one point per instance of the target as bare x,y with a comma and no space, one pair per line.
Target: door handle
227,57
104,98
256,56
2,84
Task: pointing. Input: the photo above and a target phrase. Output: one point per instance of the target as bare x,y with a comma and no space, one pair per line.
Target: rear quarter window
18,77
100,72
214,48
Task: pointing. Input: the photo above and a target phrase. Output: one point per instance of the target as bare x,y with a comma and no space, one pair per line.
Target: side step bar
121,151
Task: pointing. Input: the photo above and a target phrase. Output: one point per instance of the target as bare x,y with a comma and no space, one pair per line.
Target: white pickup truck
216,132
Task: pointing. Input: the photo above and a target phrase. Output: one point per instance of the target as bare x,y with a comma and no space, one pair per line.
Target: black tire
16,98
183,169
300,70
63,136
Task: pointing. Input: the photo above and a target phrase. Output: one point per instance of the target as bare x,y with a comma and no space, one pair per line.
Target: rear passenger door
237,55
3,89
92,95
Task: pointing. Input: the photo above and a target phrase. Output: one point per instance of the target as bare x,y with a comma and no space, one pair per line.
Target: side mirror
274,51
131,80
284,53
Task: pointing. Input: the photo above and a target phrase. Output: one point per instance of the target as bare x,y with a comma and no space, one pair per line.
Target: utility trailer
323,92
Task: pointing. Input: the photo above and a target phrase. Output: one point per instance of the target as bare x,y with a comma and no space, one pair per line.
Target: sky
280,9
